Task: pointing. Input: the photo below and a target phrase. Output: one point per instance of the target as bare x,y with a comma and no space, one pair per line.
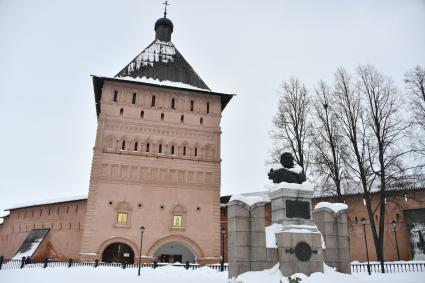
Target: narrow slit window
153,101
121,111
173,103
123,145
184,150
172,149
208,107
136,145
196,151
162,116
201,121
191,105
134,99
160,148
147,147
182,118
115,96
142,114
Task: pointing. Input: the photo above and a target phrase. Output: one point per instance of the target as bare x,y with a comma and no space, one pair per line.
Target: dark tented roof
163,62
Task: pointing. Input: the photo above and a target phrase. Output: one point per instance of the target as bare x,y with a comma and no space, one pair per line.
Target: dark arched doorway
118,252
174,252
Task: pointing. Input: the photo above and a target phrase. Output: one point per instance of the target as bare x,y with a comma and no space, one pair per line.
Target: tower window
201,121
162,116
123,145
160,148
184,151
182,118
208,107
134,99
115,96
173,103
172,149
196,151
147,147
191,105
136,145
142,114
121,111
153,101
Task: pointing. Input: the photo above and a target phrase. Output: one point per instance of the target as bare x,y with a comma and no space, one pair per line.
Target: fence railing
391,267
355,267
27,263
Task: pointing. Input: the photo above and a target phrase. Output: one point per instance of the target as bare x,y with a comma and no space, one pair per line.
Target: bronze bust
285,175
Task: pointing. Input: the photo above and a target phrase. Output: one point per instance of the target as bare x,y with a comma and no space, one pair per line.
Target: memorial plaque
297,208
303,251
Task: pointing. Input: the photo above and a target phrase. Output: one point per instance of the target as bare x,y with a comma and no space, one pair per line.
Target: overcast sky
48,49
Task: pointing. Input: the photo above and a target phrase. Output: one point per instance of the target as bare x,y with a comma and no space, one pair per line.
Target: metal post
223,231
365,240
394,225
142,229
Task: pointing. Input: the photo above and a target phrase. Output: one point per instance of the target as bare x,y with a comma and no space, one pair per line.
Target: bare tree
328,143
291,126
415,84
385,128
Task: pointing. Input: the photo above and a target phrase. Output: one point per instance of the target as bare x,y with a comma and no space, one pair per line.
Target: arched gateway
174,252
118,252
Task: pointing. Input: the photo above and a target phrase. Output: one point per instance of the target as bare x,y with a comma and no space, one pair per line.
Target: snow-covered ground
174,274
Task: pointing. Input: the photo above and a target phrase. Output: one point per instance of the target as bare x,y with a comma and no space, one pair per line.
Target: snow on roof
161,83
335,207
249,200
49,201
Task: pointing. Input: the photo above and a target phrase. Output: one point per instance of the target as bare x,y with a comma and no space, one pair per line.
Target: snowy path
169,274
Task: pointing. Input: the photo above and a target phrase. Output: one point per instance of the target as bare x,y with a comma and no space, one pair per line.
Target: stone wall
334,228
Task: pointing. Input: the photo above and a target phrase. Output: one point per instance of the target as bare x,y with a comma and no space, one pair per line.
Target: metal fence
26,263
389,267
355,267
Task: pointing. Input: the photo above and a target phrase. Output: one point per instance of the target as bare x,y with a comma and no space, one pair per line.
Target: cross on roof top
165,8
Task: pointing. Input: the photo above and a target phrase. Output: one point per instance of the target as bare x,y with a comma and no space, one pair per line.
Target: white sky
48,49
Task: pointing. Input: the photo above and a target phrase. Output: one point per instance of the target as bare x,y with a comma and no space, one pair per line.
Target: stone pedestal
283,197
299,252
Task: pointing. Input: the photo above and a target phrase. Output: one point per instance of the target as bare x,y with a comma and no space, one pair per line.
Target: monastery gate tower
156,161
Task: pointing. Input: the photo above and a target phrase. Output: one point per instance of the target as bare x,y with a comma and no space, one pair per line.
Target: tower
156,161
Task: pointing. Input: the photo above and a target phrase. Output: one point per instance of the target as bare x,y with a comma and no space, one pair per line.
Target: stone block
342,229
238,224
343,242
258,253
284,240
278,204
271,255
236,268
242,254
344,267
316,266
342,218
316,241
331,241
258,211
258,224
237,209
238,239
302,237
343,254
330,255
257,265
278,216
258,239
323,216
